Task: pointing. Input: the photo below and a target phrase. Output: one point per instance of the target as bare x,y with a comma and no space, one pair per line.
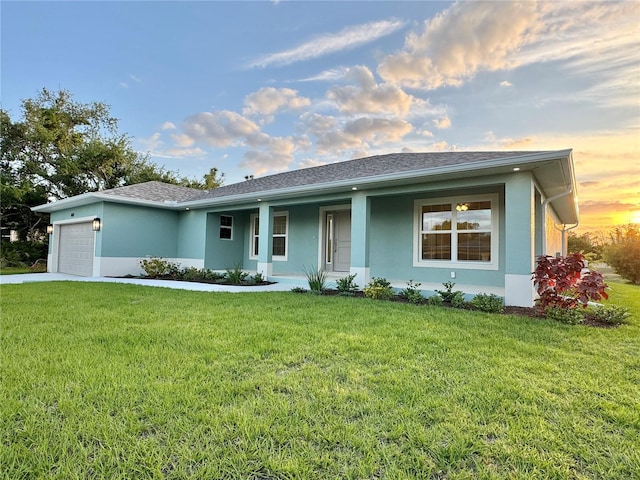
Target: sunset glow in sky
263,87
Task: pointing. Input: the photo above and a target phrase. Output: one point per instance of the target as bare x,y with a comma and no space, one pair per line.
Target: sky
256,88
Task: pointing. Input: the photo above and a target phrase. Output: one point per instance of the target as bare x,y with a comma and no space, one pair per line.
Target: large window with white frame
280,236
457,232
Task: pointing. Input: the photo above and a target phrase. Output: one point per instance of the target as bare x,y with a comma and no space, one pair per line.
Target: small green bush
412,293
570,316
257,278
457,300
448,294
488,303
317,279
193,274
155,267
435,301
299,290
378,288
235,275
346,286
611,314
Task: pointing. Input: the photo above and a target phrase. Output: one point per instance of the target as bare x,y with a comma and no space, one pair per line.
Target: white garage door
75,249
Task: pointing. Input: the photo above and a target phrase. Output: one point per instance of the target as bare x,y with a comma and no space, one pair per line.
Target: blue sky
263,87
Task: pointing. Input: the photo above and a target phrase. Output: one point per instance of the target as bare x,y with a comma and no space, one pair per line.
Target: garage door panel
76,248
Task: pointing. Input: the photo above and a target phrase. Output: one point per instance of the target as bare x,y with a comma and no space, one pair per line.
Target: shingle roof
156,192
358,169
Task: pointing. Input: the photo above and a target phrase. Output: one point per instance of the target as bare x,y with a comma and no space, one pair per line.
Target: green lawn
120,381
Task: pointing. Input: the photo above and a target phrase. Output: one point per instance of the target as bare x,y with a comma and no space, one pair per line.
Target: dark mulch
203,280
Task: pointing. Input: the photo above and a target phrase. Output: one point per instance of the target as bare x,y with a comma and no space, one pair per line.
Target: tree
623,254
60,148
587,244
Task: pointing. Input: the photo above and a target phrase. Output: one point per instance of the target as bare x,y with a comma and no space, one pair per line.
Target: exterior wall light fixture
49,229
96,224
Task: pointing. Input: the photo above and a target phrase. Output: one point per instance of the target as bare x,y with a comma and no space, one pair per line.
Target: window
457,232
226,227
280,227
280,235
255,235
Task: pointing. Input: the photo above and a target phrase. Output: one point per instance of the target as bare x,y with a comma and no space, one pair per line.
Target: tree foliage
561,282
623,253
60,148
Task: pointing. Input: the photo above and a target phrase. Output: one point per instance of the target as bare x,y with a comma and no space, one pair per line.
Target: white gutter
545,204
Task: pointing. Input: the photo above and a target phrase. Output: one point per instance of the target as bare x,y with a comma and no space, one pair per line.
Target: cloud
470,37
327,75
268,100
155,146
442,123
506,83
367,96
182,140
348,38
337,135
167,126
220,129
276,157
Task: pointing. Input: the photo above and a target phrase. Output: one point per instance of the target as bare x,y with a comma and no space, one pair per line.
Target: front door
338,241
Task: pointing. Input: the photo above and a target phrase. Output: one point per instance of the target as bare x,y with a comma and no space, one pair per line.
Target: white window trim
458,264
278,258
282,258
225,226
252,235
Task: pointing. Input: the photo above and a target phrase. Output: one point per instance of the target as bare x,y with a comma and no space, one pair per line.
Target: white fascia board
93,197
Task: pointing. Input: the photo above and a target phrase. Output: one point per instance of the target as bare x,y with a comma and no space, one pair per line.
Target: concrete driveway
201,287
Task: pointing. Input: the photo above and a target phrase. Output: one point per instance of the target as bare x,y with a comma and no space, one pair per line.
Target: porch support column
520,213
265,241
360,228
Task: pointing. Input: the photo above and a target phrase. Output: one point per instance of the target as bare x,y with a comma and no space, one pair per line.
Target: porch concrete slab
199,287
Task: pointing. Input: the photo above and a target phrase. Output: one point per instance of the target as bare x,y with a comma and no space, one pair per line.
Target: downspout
564,229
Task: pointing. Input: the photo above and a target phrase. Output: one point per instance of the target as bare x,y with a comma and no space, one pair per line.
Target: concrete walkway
200,287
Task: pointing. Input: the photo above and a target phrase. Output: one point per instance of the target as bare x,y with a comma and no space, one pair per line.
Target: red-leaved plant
560,282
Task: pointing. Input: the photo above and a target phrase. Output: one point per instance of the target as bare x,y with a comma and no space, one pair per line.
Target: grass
120,381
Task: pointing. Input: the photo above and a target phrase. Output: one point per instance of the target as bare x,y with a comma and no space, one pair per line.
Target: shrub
317,279
448,294
412,293
258,278
624,253
346,286
457,300
435,301
22,253
155,267
571,316
235,275
193,274
560,282
611,314
488,303
378,288
299,290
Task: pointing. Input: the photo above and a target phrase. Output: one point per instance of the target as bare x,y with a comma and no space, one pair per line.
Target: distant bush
488,303
299,290
412,293
155,267
378,288
346,286
624,252
457,300
22,253
258,278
